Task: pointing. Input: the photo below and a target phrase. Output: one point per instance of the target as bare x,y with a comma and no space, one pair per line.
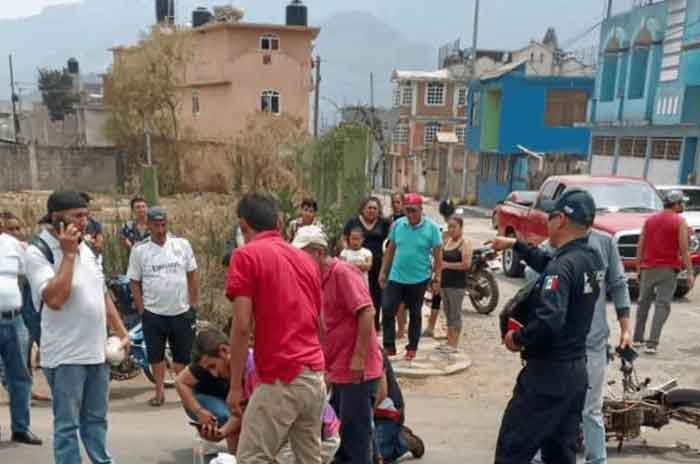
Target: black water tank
73,66
165,11
297,14
201,16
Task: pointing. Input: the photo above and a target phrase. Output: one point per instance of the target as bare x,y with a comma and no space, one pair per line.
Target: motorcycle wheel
489,299
169,371
683,397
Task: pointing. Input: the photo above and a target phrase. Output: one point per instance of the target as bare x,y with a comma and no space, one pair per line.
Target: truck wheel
512,265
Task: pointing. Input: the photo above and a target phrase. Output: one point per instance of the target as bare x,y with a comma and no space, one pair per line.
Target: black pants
376,292
412,295
545,412
354,404
178,331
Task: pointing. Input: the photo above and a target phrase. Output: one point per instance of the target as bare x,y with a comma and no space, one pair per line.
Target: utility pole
371,90
610,5
317,96
14,100
472,78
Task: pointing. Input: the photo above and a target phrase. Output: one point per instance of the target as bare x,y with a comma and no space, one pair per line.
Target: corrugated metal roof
441,75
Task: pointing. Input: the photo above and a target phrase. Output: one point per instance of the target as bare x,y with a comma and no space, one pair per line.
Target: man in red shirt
662,253
276,289
353,359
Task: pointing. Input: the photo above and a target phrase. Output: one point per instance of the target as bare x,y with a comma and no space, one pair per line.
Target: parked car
517,197
623,205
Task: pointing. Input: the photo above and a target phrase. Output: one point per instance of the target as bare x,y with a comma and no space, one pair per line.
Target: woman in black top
376,230
456,258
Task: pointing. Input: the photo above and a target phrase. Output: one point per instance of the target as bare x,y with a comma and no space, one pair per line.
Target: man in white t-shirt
76,309
17,379
165,286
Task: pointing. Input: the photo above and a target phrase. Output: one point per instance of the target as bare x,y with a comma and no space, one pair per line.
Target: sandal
157,401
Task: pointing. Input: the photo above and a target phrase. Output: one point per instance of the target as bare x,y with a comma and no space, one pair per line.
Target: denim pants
80,402
354,404
18,381
593,421
216,406
23,336
412,295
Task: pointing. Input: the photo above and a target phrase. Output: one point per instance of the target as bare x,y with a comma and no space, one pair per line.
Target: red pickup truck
623,205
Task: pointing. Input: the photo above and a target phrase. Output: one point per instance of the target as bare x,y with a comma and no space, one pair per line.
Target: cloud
14,9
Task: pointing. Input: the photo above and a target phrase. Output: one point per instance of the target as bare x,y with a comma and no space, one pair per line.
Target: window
460,134
462,96
435,94
397,97
407,95
547,193
564,108
269,42
270,102
668,149
541,58
603,146
474,113
195,103
431,130
400,135
485,166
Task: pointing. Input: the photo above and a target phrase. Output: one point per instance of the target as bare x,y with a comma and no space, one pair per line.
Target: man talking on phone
545,410
68,288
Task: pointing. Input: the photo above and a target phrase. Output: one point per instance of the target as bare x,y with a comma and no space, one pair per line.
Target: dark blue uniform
545,410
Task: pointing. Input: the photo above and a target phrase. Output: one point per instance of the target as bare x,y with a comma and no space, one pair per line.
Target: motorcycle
482,287
137,359
643,406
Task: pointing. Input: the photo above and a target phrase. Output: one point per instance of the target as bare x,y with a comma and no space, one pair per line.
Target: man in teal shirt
412,240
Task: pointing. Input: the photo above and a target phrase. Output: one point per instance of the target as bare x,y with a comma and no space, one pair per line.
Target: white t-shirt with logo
11,266
76,333
356,257
162,271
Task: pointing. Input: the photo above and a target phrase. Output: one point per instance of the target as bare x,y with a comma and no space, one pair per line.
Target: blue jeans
80,401
593,421
18,382
354,404
23,336
216,406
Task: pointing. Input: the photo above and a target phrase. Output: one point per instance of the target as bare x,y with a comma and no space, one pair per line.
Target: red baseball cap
413,199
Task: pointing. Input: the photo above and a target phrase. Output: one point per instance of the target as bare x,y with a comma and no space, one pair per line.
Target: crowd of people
299,374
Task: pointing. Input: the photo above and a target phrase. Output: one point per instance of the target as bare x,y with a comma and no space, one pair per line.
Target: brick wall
24,167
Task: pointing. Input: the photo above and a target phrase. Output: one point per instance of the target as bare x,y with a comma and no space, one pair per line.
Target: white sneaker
650,350
638,345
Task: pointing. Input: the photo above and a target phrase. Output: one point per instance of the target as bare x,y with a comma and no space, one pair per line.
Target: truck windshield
633,197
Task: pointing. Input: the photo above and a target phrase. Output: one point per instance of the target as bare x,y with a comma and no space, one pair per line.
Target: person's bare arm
365,324
57,290
437,265
184,384
137,294
366,265
193,287
386,262
126,242
240,336
382,390
114,320
684,243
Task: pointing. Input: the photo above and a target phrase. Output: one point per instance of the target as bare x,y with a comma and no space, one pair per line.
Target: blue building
645,115
512,109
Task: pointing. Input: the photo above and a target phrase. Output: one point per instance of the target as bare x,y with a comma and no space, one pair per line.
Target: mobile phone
195,424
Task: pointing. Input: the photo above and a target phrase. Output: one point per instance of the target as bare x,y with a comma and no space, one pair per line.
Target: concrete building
645,115
239,68
514,117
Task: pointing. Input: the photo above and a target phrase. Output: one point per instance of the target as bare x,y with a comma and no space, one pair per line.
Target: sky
20,8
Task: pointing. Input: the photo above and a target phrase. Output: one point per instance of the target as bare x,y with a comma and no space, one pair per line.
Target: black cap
576,204
61,201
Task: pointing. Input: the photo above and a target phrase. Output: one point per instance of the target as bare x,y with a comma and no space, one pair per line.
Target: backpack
30,314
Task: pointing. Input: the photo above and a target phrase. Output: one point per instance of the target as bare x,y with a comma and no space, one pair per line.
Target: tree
57,92
367,116
143,94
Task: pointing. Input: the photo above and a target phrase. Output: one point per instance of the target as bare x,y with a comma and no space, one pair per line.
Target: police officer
549,395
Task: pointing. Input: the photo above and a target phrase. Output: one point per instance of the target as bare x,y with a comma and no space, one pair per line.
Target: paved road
457,416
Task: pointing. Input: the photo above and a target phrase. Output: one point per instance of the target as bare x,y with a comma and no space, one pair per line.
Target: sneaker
638,345
410,355
414,443
650,350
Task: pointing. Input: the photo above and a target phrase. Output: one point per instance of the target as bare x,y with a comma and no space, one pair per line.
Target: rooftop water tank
201,16
73,66
165,11
297,14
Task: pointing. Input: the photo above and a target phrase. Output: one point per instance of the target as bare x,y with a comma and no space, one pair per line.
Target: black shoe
414,443
28,438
